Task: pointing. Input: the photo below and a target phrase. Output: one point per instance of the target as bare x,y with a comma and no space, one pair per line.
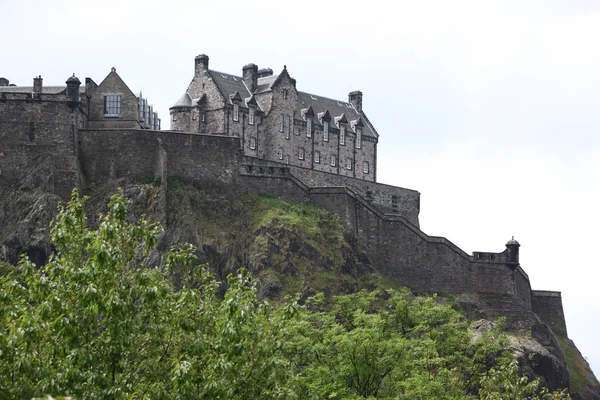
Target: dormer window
343,135
112,105
308,126
358,138
325,131
236,112
251,116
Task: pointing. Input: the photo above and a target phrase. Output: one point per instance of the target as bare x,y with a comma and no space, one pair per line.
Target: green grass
311,221
575,363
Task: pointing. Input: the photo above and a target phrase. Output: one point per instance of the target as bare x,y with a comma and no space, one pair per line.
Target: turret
73,91
4,82
512,250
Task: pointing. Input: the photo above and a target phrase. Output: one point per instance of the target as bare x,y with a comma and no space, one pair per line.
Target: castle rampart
398,248
50,131
548,305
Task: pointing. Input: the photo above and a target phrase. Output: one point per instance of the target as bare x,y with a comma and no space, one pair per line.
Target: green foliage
315,223
577,366
95,322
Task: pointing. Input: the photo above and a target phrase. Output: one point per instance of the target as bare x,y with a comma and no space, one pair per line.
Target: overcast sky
489,109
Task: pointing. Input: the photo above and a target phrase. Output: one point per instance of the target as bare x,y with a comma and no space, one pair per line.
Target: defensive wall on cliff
383,217
395,244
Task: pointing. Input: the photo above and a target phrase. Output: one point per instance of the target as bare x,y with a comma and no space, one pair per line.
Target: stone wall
39,130
395,245
388,199
548,306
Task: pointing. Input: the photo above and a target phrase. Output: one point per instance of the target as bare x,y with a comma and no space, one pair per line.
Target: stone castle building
275,121
237,134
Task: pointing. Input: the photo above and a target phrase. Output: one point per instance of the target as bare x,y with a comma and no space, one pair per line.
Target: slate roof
335,107
183,102
230,84
45,89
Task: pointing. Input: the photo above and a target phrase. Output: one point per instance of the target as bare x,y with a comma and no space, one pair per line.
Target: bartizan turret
512,250
73,84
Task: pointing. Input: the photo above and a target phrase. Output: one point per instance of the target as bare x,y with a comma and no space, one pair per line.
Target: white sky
489,109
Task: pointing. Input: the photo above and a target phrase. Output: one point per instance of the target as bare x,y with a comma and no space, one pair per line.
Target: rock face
289,248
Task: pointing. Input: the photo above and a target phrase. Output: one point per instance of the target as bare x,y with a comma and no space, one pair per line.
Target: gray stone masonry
548,306
279,131
128,118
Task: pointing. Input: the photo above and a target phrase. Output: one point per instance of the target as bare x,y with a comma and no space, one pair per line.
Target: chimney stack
250,76
355,98
37,85
201,63
263,72
3,82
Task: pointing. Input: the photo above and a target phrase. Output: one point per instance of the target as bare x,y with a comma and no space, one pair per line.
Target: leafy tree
95,322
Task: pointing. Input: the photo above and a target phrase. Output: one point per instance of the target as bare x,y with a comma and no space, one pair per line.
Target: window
282,125
289,127
252,142
366,167
280,154
203,117
348,163
342,135
358,138
112,105
285,93
287,159
174,117
236,112
325,131
251,116
308,126
333,160
300,153
317,157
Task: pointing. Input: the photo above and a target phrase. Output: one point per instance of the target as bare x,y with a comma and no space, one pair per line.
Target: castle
238,134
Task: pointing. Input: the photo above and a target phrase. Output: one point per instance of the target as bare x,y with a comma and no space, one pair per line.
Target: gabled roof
235,97
324,116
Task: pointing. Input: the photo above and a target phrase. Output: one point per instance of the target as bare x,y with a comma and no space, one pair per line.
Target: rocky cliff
290,248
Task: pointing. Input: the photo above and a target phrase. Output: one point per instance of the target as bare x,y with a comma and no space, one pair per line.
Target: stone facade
277,122
248,144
